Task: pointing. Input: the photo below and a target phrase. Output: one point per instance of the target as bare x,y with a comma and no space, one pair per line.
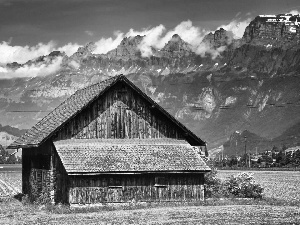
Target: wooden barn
110,142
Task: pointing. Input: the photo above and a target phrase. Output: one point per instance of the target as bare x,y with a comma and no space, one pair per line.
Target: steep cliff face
128,49
218,38
272,31
176,47
253,84
258,59
82,53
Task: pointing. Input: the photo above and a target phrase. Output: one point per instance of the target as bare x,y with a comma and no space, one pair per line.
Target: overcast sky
59,22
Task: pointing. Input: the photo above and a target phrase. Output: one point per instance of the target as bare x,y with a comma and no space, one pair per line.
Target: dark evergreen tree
280,158
296,158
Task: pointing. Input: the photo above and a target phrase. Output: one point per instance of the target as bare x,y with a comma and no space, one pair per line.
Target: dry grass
281,185
16,213
10,183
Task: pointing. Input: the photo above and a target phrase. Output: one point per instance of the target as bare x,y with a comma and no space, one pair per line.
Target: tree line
273,158
6,158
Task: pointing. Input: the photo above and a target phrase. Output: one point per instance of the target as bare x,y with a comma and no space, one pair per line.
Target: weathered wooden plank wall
61,182
43,172
97,189
26,166
34,158
119,113
40,183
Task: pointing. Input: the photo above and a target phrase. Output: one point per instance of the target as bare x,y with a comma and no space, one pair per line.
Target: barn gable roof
46,127
80,156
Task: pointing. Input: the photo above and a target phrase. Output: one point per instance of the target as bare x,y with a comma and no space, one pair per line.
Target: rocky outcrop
127,49
13,66
82,52
176,47
218,38
272,31
45,59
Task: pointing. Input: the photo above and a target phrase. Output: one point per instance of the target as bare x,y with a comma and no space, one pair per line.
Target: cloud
204,48
22,54
33,70
9,40
189,33
143,32
239,13
152,39
69,48
157,36
236,27
106,44
294,12
74,64
88,32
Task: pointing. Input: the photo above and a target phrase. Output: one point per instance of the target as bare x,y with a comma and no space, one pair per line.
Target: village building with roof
109,143
292,150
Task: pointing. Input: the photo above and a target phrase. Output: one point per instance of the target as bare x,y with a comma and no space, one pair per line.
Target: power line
214,80
17,111
198,108
230,80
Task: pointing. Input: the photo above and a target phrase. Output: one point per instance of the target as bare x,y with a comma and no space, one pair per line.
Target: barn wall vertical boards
143,187
121,112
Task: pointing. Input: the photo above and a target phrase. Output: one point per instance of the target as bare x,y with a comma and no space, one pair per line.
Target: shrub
25,200
212,184
242,185
43,198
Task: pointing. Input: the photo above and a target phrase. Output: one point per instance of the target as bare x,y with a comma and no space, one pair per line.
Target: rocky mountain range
250,83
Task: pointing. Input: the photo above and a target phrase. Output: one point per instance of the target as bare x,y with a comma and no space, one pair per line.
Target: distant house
110,142
292,149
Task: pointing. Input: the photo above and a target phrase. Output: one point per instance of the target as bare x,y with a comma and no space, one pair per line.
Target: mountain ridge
250,84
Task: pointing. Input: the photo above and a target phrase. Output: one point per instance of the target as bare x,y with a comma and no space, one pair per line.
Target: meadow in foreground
279,185
14,212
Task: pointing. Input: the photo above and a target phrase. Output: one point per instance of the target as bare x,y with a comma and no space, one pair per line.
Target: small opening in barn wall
160,182
41,162
114,182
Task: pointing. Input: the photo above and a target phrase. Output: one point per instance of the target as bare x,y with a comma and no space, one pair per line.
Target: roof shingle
73,105
128,155
62,113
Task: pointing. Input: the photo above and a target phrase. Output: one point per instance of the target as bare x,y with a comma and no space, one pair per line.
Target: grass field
278,184
283,185
15,213
10,180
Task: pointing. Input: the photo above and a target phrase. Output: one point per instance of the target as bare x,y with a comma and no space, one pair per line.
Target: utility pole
249,159
206,152
236,156
222,154
245,137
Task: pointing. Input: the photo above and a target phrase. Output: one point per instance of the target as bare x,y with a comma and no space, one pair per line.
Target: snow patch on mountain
263,103
230,100
207,100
